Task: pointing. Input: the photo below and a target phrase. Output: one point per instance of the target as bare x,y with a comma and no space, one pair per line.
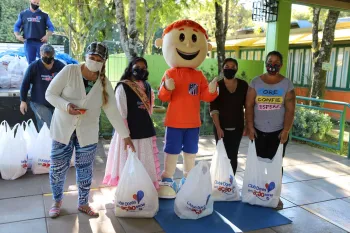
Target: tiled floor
316,195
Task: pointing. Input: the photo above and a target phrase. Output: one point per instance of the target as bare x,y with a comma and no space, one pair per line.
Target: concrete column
277,35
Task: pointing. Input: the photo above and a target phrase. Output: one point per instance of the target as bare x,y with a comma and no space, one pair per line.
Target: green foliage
9,10
106,128
344,14
87,20
158,34
158,121
210,73
311,124
203,12
207,122
243,76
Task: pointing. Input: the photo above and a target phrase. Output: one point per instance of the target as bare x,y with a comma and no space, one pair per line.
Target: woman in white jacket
78,93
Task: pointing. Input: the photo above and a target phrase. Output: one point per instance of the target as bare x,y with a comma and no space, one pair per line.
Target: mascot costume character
185,46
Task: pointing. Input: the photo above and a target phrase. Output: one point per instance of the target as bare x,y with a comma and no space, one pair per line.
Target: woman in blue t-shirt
270,108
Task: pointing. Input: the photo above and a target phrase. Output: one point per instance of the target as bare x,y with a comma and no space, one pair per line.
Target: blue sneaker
167,189
182,182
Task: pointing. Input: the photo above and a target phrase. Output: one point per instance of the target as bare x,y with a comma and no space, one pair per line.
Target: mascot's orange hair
185,23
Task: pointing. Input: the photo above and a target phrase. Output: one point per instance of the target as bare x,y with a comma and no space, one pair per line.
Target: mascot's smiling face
184,45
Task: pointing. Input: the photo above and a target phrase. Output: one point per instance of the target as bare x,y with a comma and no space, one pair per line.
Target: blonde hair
103,78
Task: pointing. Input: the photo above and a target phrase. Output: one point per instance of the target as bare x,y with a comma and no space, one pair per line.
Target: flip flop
55,210
88,211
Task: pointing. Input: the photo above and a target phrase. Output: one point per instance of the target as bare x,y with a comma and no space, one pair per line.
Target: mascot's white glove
169,83
213,85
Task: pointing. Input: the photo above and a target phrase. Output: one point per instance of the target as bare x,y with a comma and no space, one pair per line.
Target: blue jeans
32,50
42,114
61,156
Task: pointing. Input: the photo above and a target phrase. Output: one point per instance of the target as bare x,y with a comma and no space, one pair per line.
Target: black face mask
47,60
34,7
140,74
272,69
229,73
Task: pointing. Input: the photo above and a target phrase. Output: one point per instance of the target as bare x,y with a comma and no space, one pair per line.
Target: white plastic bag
32,128
6,59
194,201
262,178
4,127
136,196
24,64
222,177
16,70
4,80
41,152
14,154
30,135
4,132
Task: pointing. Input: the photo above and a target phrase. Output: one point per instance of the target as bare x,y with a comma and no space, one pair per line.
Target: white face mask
93,66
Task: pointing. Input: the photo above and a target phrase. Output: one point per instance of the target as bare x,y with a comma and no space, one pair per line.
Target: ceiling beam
341,5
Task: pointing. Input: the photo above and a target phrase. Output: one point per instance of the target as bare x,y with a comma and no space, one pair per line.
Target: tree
149,26
86,20
128,36
144,18
238,17
321,52
9,10
221,21
236,14
344,14
157,34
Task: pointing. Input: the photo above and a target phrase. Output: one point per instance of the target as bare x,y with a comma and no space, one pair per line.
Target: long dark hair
128,71
128,74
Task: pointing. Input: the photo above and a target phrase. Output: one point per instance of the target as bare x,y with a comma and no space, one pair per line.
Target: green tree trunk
322,51
221,22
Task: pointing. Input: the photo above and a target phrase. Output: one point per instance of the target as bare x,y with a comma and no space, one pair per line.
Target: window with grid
342,64
307,67
330,74
290,64
298,65
244,55
257,55
251,55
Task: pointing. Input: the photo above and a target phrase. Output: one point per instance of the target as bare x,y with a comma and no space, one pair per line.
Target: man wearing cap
34,23
38,76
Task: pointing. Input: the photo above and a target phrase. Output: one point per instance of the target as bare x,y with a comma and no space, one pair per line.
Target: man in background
39,75
37,28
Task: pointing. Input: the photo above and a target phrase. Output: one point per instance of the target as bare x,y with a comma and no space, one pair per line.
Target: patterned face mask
273,69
